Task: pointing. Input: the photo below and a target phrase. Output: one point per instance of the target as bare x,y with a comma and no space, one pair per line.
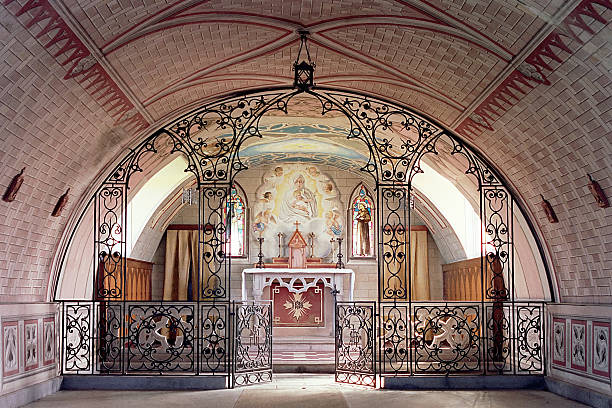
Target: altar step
305,354
303,344
303,362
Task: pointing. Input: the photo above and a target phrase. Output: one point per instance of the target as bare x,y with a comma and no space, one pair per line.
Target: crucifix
296,225
311,238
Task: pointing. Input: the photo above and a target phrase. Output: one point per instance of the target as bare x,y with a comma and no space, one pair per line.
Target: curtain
419,269
181,264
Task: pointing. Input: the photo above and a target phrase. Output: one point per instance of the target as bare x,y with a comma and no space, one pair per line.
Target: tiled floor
303,391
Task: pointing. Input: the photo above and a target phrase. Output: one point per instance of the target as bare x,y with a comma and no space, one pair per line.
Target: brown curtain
419,269
181,258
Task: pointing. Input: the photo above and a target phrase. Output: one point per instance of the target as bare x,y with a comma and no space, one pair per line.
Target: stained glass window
238,226
363,223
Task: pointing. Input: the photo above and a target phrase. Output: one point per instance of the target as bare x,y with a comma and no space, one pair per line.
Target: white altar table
304,278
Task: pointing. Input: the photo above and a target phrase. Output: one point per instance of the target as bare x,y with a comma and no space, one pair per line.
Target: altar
298,280
301,289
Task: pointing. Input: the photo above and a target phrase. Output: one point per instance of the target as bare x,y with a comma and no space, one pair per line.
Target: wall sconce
61,203
598,193
13,188
550,212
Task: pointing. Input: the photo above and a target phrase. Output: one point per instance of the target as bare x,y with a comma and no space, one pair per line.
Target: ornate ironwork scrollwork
529,339
77,337
394,238
395,339
355,343
110,241
160,338
108,338
498,339
370,119
214,338
497,245
447,338
252,343
213,237
415,338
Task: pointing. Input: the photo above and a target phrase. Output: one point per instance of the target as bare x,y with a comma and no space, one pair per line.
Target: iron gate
356,343
252,343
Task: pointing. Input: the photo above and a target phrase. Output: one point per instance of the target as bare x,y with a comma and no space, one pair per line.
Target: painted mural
312,143
297,192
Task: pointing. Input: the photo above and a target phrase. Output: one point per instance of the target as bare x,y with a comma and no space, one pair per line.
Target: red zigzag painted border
532,71
82,66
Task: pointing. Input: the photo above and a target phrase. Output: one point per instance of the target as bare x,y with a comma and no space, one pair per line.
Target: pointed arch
236,209
362,219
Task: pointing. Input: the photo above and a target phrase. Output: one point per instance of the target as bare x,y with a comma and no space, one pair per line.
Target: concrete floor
303,391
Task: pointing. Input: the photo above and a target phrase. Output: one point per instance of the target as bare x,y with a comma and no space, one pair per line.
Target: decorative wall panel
559,341
601,349
48,351
578,333
10,348
579,348
30,344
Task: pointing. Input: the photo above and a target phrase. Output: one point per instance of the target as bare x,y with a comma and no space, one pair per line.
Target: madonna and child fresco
297,192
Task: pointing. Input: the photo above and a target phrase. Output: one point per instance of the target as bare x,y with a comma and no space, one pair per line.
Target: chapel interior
208,194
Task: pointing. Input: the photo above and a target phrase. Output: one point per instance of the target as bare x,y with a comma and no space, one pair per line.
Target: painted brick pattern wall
546,145
54,129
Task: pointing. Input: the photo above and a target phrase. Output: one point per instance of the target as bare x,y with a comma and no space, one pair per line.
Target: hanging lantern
190,196
303,70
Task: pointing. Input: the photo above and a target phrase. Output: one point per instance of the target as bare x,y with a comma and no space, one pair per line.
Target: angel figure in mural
275,178
263,219
332,222
298,202
363,218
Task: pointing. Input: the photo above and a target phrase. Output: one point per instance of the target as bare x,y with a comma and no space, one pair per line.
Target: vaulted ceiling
528,83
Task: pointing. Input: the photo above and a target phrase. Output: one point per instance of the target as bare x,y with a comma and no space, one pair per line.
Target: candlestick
339,264
311,237
280,236
260,263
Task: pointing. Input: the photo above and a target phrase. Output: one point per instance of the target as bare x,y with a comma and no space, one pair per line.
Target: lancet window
362,217
237,208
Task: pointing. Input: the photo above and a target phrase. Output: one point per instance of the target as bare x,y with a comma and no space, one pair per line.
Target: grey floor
302,391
